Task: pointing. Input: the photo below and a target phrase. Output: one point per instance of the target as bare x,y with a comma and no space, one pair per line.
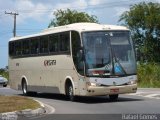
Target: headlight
132,82
93,84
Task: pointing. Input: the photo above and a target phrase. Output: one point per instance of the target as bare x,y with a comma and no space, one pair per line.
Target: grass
149,75
16,103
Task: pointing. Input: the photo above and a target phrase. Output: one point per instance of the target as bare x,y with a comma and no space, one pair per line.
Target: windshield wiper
117,61
113,56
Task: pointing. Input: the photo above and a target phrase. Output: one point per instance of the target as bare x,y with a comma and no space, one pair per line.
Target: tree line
143,20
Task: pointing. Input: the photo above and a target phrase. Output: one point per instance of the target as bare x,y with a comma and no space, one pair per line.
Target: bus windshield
108,53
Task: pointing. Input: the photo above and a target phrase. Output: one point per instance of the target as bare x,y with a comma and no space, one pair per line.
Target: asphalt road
135,106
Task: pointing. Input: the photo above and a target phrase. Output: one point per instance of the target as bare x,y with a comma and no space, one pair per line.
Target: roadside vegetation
149,75
16,103
143,21
4,73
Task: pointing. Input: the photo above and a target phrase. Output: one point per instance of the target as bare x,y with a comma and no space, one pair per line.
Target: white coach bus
81,59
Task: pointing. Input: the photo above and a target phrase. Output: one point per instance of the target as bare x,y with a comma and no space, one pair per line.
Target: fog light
134,89
88,83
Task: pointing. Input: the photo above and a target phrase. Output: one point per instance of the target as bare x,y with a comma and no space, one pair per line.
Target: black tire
24,88
113,97
5,85
25,91
70,93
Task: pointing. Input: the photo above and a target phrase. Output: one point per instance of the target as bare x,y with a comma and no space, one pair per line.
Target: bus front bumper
111,90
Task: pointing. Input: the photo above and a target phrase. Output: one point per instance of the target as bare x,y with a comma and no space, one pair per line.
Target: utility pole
14,14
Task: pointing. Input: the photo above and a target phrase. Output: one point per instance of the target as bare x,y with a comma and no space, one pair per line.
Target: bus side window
12,49
44,44
25,47
18,48
34,46
53,43
64,41
76,47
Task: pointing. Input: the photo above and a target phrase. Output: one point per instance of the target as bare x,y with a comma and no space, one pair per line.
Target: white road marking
147,95
151,95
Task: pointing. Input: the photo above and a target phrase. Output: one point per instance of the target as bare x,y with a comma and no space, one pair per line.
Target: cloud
40,10
120,10
76,5
29,10
97,2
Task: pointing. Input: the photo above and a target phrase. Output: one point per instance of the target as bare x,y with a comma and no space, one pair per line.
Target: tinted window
26,47
64,41
18,48
11,49
44,44
58,42
34,46
53,43
76,52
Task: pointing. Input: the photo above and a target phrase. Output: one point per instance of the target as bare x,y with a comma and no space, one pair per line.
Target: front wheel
5,85
113,97
70,93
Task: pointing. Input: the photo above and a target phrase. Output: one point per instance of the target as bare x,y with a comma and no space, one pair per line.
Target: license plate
116,90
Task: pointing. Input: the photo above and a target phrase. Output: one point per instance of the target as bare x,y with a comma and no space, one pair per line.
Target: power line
21,31
99,6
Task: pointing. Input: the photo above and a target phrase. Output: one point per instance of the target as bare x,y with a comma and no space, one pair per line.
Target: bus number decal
49,62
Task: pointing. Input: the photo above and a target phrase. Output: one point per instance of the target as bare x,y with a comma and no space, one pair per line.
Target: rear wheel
113,97
24,88
25,91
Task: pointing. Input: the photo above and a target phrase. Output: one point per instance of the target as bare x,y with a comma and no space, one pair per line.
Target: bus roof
80,27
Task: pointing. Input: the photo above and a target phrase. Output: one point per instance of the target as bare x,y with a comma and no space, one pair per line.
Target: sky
35,15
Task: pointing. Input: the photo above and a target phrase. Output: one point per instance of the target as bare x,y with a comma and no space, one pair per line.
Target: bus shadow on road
87,100
104,99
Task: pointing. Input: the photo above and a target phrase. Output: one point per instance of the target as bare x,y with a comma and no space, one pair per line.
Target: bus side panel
67,70
14,80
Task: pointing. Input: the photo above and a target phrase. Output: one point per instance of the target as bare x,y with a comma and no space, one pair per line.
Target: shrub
149,75
4,73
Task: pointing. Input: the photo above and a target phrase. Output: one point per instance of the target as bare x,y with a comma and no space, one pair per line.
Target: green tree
143,19
64,17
